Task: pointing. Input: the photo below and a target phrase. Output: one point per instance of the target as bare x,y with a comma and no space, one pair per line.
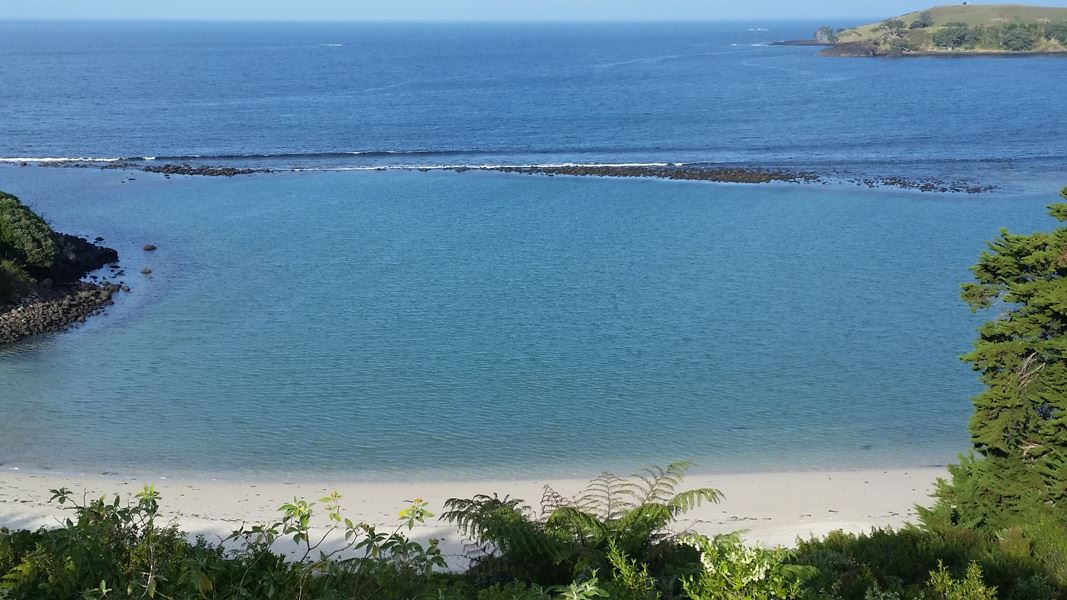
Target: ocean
359,313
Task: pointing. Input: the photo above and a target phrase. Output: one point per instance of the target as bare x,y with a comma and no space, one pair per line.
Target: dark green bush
24,237
1018,38
953,35
13,280
900,562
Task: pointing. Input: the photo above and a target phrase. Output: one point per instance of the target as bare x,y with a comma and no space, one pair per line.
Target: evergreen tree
1019,427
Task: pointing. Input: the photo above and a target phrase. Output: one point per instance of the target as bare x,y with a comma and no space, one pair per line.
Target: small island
957,30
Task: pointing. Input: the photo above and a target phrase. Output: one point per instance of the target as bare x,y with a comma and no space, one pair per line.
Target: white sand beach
772,508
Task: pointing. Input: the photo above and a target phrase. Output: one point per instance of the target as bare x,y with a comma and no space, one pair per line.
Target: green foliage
24,237
117,550
970,587
1019,427
735,571
1018,38
924,20
1057,32
826,35
630,579
575,536
897,564
13,280
953,35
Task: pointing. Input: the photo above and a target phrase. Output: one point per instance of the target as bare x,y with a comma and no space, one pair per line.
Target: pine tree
1019,427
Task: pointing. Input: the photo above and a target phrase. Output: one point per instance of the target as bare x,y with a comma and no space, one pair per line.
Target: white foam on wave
484,167
56,159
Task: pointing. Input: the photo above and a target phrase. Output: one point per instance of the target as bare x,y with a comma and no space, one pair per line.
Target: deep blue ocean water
439,324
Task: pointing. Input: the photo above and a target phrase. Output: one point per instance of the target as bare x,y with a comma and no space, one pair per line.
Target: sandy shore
773,508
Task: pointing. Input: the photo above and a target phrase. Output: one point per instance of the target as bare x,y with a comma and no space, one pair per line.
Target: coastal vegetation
958,29
40,274
997,527
27,245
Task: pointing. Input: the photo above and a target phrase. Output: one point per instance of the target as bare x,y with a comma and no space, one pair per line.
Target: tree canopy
1019,427
25,237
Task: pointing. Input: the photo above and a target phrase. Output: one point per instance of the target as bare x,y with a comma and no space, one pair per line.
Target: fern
573,536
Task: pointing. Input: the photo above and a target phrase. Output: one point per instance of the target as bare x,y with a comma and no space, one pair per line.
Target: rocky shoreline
55,309
62,300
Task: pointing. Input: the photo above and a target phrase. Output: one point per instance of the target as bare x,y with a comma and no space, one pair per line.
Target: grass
972,14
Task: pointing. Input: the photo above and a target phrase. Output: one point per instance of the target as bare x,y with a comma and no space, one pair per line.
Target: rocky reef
682,172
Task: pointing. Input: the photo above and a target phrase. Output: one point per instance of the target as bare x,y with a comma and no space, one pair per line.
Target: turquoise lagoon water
397,324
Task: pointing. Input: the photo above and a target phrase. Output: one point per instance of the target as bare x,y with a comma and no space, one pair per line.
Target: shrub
924,20
574,536
1058,32
884,563
1018,38
971,587
25,237
953,35
13,280
735,571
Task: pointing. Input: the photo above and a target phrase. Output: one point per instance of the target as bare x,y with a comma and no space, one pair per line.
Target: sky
463,10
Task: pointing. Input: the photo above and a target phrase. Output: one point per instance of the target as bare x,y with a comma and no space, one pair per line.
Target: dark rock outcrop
681,172
204,171
77,258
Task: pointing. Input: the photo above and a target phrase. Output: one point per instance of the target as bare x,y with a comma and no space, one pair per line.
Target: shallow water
459,325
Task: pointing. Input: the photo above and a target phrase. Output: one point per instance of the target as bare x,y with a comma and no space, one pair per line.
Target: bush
735,571
1018,38
1058,32
13,280
24,237
575,537
953,35
923,21
884,563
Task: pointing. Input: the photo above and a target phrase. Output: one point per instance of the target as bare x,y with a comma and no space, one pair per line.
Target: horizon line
423,22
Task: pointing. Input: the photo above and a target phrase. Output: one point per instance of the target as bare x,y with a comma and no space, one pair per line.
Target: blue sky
462,10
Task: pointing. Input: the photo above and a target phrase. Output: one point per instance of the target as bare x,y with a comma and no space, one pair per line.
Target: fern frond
584,526
606,496
660,483
637,529
551,500
504,524
690,499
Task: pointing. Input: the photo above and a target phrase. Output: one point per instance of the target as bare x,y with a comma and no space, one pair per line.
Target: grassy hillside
964,28
972,14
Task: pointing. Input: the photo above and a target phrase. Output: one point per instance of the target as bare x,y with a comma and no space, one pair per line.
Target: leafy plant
573,536
971,587
733,570
24,237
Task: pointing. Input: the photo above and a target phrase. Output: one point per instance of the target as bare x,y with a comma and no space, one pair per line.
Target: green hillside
973,15
960,28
